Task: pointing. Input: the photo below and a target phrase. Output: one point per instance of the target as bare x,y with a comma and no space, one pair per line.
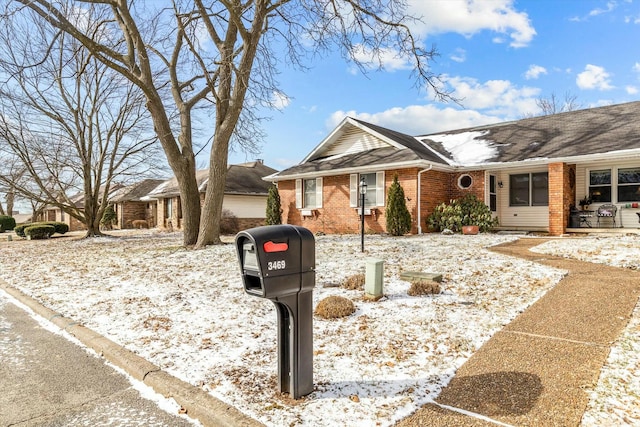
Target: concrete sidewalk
535,371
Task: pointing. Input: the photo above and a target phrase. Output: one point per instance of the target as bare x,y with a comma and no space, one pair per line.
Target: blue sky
498,56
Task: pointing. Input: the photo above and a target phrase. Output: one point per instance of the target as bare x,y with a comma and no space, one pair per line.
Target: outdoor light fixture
500,184
363,192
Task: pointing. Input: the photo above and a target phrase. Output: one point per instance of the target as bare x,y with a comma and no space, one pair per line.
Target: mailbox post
277,262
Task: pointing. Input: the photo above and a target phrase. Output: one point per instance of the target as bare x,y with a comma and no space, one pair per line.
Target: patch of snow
467,148
186,311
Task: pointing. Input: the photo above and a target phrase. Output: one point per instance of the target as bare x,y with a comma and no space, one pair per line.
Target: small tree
109,217
274,212
398,216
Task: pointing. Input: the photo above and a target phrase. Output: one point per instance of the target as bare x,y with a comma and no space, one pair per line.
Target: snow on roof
467,148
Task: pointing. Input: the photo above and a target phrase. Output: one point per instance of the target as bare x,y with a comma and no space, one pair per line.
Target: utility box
277,262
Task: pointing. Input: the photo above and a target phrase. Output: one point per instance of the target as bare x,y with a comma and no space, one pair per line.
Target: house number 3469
277,265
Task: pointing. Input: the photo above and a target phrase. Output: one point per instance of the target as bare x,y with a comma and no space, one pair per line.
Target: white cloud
594,77
487,102
459,55
418,119
636,67
387,59
534,72
279,100
496,97
631,90
468,17
611,5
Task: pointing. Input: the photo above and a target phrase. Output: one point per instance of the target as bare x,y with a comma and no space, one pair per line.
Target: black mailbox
277,262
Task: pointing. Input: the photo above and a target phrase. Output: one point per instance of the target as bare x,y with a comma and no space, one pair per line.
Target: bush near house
58,227
229,223
274,211
109,218
397,214
468,210
7,223
39,231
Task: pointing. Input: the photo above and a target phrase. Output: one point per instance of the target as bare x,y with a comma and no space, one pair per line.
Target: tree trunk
10,199
214,196
190,203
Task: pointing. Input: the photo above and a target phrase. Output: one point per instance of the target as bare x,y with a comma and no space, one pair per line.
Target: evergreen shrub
468,210
7,223
274,211
397,214
39,231
59,227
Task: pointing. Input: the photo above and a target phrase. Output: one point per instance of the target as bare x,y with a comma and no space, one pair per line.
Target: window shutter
353,190
380,188
318,192
298,193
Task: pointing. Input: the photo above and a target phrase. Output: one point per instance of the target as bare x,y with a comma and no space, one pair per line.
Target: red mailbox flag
275,247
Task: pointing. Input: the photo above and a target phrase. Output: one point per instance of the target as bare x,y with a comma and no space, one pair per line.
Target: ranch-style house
532,173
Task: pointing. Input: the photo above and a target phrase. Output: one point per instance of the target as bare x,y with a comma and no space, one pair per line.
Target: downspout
420,192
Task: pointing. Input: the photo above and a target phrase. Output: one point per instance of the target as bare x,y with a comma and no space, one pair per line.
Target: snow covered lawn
186,311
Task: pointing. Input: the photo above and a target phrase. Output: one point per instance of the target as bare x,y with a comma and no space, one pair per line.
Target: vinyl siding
246,206
353,141
519,216
626,216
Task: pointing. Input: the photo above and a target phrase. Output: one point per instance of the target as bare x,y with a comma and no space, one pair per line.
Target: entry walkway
535,371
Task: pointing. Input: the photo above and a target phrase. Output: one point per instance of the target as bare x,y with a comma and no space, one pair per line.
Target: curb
197,403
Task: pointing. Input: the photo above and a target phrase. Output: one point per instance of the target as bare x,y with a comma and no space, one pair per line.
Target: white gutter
419,192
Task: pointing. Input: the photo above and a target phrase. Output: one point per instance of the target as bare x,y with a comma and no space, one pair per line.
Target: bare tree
552,105
220,55
69,122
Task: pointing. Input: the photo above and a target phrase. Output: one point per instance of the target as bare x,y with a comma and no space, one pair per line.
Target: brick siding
336,216
562,193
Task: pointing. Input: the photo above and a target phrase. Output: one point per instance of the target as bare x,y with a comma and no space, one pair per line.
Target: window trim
530,190
301,203
354,189
610,185
463,176
627,184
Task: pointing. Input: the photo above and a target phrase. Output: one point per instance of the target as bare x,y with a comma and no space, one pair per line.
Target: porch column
561,195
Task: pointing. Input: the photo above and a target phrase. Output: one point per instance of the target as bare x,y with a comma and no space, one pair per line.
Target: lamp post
363,192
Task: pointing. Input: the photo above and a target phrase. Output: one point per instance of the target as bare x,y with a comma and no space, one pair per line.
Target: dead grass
423,287
354,282
334,307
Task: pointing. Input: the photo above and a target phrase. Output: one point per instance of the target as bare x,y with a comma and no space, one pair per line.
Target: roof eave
362,169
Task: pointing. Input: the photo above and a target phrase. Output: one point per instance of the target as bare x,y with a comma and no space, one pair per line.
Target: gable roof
355,146
136,192
361,145
242,179
588,132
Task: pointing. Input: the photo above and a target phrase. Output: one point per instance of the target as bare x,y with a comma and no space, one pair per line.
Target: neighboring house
245,196
132,203
22,218
53,213
529,172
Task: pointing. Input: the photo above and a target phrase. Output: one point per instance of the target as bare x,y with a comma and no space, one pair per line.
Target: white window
309,193
375,189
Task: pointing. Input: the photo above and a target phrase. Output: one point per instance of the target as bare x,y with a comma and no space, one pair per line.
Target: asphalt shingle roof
575,133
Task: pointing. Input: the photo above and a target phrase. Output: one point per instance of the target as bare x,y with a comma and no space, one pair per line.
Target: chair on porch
607,211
